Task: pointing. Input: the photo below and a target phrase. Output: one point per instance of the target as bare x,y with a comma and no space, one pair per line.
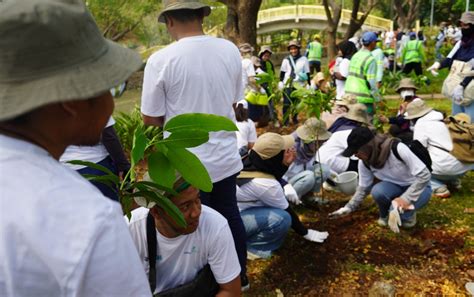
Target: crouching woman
403,185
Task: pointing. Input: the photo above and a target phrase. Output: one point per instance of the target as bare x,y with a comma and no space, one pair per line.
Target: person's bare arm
230,289
153,121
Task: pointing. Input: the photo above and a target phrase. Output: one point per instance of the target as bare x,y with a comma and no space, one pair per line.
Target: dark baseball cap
358,137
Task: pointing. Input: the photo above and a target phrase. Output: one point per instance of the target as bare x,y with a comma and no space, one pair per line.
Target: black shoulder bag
204,284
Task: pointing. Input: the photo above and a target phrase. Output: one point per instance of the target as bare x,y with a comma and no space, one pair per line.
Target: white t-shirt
247,133
261,192
94,153
60,235
302,65
343,69
394,170
179,259
247,71
198,74
330,153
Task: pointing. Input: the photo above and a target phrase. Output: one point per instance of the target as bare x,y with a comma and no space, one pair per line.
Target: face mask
405,93
467,32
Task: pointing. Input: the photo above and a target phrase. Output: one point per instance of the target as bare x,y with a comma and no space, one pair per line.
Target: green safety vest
356,82
412,52
315,51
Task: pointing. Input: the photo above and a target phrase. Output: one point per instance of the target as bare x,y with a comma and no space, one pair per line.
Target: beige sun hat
417,109
312,130
52,51
245,48
270,144
467,17
346,100
406,83
293,43
358,112
170,5
265,48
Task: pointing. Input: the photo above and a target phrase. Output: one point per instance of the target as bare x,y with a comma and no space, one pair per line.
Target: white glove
316,236
466,102
458,94
341,212
291,194
433,68
394,220
280,86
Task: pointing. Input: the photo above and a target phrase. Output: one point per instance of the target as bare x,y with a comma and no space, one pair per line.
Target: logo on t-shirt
192,251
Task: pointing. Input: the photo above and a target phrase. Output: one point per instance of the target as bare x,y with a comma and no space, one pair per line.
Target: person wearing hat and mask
462,51
305,174
339,109
204,246
60,235
413,55
399,126
361,81
296,68
430,130
314,52
263,196
247,134
403,185
203,74
330,152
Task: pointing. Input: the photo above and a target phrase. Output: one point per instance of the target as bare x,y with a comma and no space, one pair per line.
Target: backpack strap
395,150
152,250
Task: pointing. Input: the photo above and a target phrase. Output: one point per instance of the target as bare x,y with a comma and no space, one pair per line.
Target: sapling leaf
97,167
186,138
200,121
155,186
160,169
163,202
139,144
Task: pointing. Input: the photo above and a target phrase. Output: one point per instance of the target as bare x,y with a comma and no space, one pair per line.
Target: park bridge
311,17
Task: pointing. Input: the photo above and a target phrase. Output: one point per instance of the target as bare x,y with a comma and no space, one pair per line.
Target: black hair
347,48
241,114
185,15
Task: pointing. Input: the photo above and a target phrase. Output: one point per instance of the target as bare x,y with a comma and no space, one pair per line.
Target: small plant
312,102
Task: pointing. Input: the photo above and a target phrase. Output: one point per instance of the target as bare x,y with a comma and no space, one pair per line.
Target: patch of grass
361,267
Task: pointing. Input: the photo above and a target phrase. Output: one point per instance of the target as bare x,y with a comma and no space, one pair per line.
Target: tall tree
407,12
356,22
241,24
333,13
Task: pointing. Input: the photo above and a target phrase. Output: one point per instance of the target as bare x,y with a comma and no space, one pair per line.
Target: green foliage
312,102
270,81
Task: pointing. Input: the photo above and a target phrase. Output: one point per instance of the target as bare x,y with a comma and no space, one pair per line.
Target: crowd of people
64,236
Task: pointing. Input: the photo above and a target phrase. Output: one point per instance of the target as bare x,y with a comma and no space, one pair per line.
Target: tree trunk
356,23
407,12
241,25
333,13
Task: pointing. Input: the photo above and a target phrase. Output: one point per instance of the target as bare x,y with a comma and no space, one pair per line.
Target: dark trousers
314,65
223,199
107,191
287,102
413,66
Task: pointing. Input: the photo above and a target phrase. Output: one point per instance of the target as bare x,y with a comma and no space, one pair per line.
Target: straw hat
293,43
417,109
245,48
467,17
312,130
170,5
462,118
263,49
270,144
358,112
346,100
406,83
319,77
52,51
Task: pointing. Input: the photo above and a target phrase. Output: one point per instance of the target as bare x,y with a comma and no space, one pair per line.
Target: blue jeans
223,199
266,228
384,192
438,181
107,191
466,109
309,180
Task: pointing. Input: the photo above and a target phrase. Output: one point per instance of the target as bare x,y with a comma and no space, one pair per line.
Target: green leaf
97,167
127,203
190,168
186,138
139,144
200,121
155,186
160,169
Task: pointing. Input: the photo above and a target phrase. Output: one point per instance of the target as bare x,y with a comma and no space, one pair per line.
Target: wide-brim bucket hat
467,17
312,130
347,100
293,43
358,112
170,5
417,109
406,83
245,48
52,51
263,49
271,144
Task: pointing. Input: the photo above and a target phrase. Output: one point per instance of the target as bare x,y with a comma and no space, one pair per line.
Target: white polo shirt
60,235
198,74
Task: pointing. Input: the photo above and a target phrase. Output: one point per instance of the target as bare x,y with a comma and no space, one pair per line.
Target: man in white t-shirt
203,74
183,252
59,235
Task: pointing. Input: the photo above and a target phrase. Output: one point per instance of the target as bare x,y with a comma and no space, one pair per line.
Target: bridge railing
317,12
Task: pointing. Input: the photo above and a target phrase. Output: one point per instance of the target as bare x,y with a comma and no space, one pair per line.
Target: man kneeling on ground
403,181
182,253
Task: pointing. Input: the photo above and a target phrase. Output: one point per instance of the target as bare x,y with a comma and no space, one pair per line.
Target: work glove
291,194
458,94
466,101
316,236
394,220
341,212
433,68
281,86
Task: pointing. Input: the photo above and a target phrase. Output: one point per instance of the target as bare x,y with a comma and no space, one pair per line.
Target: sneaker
410,223
456,185
251,256
441,192
244,283
383,222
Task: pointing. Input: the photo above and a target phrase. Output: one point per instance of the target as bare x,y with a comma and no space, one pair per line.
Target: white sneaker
383,222
251,256
441,192
328,187
410,223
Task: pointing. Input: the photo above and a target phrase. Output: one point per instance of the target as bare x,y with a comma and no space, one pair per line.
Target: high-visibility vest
412,52
315,51
356,82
